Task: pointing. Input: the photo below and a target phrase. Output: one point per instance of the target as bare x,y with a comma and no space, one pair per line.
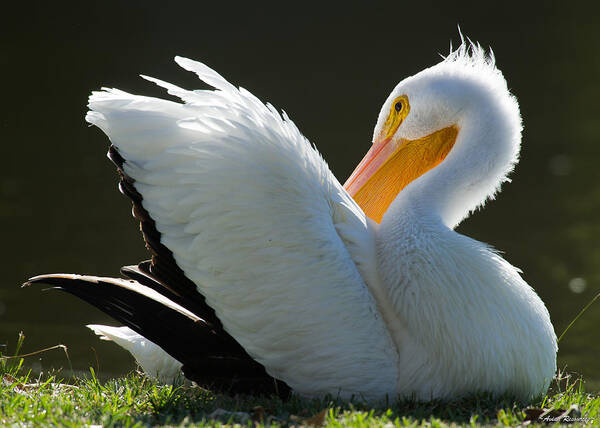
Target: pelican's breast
471,322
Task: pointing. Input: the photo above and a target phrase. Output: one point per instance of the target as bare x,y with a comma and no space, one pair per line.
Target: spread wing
257,222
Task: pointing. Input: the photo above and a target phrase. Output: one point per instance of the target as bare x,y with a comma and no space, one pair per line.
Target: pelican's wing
256,220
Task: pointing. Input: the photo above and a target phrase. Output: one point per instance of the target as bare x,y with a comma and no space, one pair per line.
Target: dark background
330,67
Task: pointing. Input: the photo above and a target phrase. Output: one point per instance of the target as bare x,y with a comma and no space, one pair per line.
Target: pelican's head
457,116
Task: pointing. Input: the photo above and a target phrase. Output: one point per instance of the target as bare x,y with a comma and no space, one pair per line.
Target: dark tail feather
209,358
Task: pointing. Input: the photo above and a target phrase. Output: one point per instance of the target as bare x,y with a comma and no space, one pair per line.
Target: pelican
268,275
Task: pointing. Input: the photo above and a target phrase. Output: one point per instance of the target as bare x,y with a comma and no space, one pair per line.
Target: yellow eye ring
398,112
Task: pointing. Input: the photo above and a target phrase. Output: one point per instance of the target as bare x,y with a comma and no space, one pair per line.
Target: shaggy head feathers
465,89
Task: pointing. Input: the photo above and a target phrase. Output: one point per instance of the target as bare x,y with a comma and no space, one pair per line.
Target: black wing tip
49,278
114,155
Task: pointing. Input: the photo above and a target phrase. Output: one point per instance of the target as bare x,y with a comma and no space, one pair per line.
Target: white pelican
262,259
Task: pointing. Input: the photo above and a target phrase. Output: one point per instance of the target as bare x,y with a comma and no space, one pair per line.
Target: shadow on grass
197,405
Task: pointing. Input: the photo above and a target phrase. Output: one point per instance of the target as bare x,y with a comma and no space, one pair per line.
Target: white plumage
155,362
326,299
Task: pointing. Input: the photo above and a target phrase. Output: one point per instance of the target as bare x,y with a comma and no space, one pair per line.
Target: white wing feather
155,362
256,219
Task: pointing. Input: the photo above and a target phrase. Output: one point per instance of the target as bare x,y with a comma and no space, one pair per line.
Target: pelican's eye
398,112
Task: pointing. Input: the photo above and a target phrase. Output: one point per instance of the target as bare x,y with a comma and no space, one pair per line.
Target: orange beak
390,165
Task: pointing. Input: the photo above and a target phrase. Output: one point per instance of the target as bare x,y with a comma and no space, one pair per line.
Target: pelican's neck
485,151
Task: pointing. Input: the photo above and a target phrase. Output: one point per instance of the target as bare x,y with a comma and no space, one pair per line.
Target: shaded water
330,70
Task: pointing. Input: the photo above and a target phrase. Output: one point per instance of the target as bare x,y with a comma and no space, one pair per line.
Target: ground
136,401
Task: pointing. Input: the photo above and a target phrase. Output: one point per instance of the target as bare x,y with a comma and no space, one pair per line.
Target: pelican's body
374,296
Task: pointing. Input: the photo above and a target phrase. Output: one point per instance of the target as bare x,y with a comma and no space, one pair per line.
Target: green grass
135,401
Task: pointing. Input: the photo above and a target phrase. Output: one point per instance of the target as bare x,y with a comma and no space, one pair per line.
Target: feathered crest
471,55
